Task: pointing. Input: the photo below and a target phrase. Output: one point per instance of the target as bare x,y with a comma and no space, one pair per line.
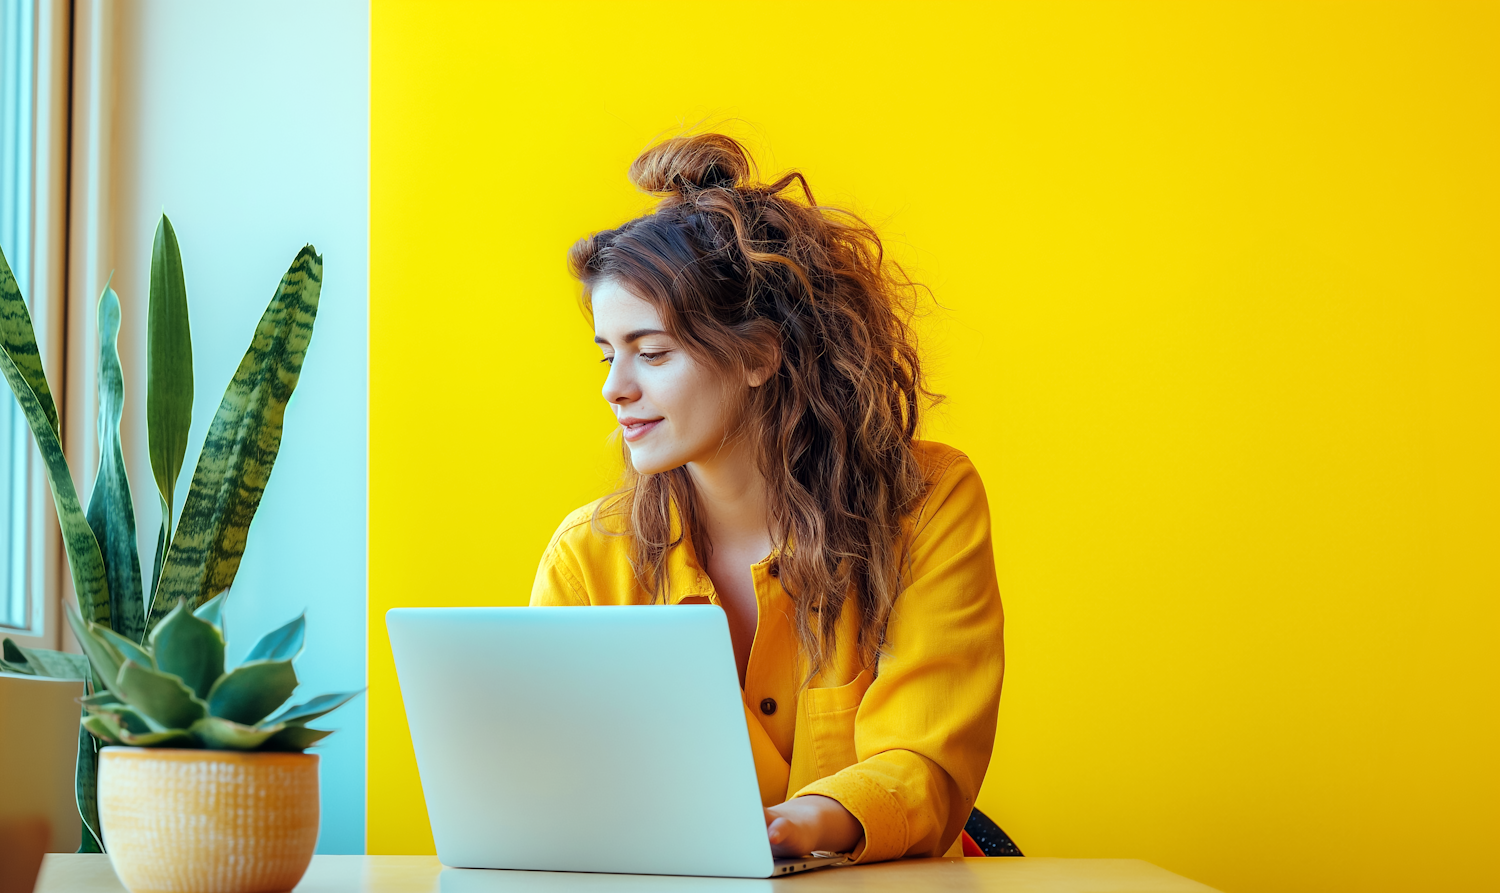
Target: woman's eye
648,357
609,360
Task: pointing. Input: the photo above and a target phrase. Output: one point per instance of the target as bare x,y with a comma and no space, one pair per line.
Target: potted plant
196,558
207,787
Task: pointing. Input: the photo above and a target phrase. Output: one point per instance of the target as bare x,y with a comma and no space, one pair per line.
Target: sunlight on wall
1218,327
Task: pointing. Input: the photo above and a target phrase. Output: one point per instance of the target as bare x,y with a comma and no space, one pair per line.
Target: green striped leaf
18,343
52,664
169,375
12,660
22,367
241,446
86,790
111,513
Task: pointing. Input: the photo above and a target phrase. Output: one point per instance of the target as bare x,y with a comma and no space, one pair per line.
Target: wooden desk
424,874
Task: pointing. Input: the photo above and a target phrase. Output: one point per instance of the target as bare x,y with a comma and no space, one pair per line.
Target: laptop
599,739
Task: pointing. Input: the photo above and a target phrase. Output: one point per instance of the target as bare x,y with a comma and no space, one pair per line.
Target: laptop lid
606,739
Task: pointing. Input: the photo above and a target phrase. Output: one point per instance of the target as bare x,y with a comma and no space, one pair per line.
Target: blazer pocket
824,741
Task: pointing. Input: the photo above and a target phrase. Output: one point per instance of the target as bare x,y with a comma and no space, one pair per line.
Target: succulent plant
172,690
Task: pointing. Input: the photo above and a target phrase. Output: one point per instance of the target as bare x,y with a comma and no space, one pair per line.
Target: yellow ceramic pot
208,821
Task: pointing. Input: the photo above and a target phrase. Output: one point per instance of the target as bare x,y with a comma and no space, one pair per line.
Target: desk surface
424,874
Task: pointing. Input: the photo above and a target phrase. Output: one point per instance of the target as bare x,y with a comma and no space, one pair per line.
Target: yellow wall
1220,330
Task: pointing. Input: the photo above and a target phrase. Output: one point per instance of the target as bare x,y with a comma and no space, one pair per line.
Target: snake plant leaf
104,657
295,738
86,791
213,611
306,713
159,697
52,664
22,366
284,643
18,343
169,368
190,649
111,512
218,733
241,445
128,649
251,691
12,660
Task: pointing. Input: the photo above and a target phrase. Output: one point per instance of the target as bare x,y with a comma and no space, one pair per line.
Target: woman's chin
650,462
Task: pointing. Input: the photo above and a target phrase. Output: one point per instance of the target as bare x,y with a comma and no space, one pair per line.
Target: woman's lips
635,429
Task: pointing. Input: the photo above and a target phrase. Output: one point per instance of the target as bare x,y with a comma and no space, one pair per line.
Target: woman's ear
768,357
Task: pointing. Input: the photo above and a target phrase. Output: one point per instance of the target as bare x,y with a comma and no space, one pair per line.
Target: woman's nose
618,385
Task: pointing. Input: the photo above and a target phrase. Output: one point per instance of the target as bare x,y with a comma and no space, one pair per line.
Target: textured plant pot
208,821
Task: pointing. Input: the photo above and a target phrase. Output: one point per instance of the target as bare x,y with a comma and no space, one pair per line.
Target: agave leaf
241,446
22,367
189,648
99,700
105,726
111,513
105,658
213,611
169,374
249,693
295,738
169,738
159,697
125,717
306,713
217,733
128,649
284,643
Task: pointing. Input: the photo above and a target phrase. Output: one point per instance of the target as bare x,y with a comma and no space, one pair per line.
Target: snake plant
173,690
197,557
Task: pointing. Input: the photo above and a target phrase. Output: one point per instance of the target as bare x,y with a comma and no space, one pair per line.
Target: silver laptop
605,739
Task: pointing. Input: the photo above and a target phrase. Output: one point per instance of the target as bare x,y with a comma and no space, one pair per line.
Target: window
20,525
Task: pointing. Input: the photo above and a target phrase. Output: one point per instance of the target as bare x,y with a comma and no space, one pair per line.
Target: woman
768,392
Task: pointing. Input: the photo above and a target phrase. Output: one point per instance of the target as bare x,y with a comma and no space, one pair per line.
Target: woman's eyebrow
632,337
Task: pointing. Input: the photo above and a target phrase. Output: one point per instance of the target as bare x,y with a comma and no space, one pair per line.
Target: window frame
47,292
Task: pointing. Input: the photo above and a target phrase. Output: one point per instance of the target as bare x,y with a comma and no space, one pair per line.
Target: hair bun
705,161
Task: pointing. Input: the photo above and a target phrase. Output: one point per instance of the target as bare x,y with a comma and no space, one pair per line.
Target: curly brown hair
745,275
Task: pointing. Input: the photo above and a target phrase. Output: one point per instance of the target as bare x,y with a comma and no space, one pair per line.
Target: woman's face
672,408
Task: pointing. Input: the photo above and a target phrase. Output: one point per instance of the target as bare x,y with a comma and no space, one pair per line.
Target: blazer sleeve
925,728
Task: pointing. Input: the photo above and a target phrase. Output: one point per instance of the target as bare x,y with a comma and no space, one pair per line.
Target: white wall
247,123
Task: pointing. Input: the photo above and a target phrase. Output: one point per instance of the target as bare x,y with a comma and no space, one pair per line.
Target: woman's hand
804,824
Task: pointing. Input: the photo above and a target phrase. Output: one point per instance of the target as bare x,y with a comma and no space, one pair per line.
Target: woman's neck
731,495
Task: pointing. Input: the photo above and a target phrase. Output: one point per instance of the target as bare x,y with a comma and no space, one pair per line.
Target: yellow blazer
903,745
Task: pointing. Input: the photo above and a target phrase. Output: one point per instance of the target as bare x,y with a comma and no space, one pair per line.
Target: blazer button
768,706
